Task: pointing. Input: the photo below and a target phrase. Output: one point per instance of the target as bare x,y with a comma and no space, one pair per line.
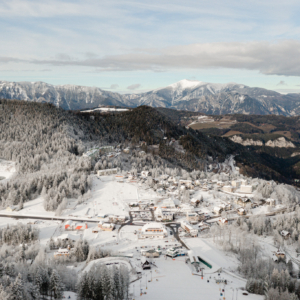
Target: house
62,253
106,149
218,210
197,182
246,189
285,234
81,226
91,153
12,208
225,206
168,203
106,226
145,173
236,183
244,181
153,230
145,263
243,201
241,211
107,172
195,202
102,216
203,226
201,215
279,254
223,221
163,215
151,253
175,251
189,228
126,150
228,189
116,219
70,225
270,202
192,218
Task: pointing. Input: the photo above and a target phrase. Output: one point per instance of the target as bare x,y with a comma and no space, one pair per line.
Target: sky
135,46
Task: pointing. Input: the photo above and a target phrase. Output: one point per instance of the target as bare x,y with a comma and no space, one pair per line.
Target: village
153,224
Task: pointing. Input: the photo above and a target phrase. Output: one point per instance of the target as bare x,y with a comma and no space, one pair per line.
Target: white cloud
281,58
114,86
133,86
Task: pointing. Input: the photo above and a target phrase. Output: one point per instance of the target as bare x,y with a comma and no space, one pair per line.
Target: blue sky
133,46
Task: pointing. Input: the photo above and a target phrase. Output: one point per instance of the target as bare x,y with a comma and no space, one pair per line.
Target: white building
168,203
192,217
145,173
218,210
91,152
107,172
153,230
228,189
62,252
163,215
246,189
236,183
244,182
189,228
271,202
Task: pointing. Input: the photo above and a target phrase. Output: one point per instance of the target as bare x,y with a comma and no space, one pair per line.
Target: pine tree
83,286
56,286
1,270
18,288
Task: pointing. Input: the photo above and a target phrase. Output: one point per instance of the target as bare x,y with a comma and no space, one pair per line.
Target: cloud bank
281,58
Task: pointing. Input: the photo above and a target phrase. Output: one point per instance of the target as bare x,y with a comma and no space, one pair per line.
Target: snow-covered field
173,279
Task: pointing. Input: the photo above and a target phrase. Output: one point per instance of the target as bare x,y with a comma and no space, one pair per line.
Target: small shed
145,263
285,234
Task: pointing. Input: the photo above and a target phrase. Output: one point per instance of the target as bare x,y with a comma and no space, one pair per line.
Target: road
55,218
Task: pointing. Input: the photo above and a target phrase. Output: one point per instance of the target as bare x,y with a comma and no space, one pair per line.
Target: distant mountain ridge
192,95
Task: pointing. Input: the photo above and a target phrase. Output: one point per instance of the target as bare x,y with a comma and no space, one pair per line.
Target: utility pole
146,282
141,287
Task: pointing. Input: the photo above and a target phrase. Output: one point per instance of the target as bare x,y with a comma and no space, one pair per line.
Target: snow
186,84
7,169
209,253
73,296
105,109
46,228
173,279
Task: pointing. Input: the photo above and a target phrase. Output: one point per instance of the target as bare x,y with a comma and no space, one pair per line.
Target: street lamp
151,275
146,282
133,292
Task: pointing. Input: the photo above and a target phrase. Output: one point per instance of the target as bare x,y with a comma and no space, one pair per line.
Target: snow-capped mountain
193,95
66,96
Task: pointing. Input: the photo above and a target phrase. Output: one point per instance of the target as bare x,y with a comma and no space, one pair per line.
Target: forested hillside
47,145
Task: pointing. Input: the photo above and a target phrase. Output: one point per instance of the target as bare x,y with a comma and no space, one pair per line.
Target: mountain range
192,95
